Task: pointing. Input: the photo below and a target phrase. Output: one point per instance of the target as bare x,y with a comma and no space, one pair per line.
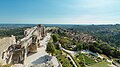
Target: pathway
41,55
71,52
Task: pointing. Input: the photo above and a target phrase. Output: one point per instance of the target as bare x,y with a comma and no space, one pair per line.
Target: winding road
71,52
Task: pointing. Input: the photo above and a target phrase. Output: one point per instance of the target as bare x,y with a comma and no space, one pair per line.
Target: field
100,64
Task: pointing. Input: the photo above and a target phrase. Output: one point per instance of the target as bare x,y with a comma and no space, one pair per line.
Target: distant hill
106,33
11,26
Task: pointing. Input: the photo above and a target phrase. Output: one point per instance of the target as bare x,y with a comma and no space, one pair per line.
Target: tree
57,46
50,48
79,46
95,49
55,38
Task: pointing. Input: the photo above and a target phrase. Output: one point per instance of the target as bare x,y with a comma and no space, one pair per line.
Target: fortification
17,52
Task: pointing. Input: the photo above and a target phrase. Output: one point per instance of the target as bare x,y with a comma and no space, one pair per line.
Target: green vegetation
78,65
117,60
71,42
79,46
50,48
7,65
65,61
58,52
54,49
18,32
106,33
104,48
81,60
68,42
64,42
101,64
55,37
84,60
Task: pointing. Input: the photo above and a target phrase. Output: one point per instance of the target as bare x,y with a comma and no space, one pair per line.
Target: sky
59,11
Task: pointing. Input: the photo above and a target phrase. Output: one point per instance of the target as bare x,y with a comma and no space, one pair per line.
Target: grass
78,65
100,64
63,59
58,52
81,58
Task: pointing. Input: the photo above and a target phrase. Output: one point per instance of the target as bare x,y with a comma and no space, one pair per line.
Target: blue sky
60,11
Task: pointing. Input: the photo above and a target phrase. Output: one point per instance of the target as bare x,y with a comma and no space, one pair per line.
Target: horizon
60,12
54,24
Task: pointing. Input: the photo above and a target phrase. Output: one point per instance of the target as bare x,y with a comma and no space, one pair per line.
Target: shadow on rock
43,59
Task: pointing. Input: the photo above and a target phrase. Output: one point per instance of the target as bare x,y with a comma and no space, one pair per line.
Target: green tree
79,46
50,48
57,46
55,38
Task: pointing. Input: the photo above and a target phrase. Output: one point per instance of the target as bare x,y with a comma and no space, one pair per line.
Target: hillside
106,33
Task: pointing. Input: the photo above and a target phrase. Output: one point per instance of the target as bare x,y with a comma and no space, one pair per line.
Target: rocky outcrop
13,52
4,47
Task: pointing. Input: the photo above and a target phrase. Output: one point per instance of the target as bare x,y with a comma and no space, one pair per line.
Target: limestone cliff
5,43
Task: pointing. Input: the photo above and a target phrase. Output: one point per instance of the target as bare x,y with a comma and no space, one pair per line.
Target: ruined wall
29,43
4,44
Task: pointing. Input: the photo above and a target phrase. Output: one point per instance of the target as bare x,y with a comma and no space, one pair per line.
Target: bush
50,48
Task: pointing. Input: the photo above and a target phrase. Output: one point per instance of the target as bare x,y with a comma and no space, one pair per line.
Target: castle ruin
17,52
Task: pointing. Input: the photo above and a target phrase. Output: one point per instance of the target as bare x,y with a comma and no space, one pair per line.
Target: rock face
17,52
47,64
4,46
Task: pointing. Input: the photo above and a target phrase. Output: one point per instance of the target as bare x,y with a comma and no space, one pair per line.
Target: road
71,52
